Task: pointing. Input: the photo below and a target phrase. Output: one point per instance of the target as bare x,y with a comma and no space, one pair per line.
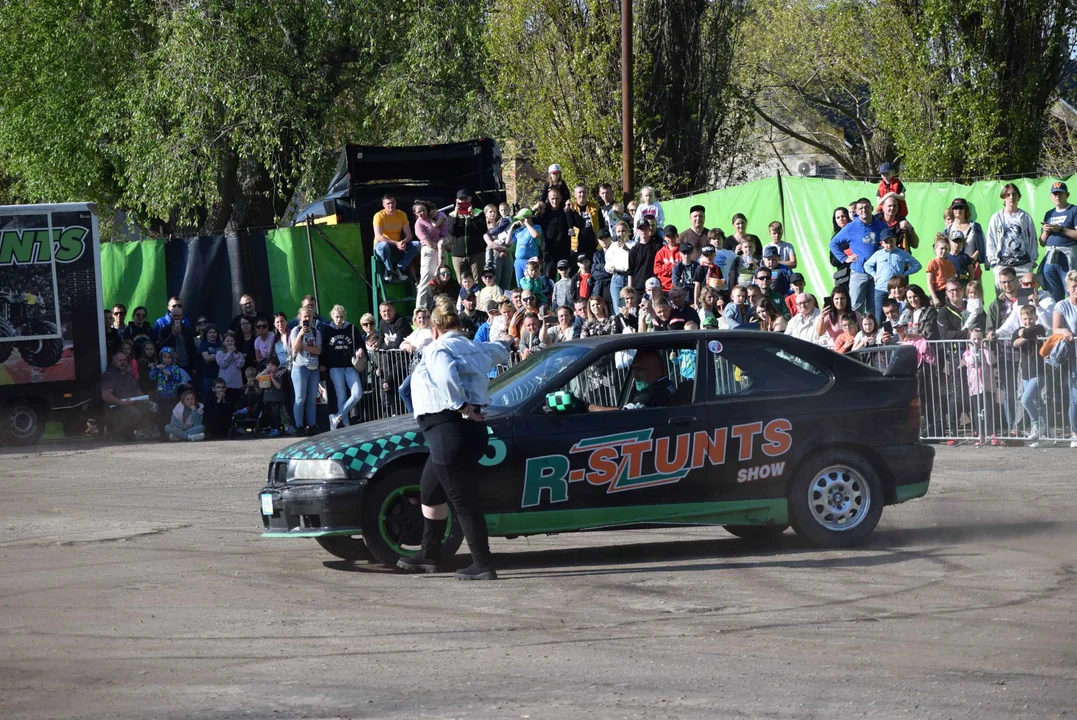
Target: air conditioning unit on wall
807,168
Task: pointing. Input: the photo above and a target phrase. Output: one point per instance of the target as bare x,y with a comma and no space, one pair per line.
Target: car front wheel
393,519
836,499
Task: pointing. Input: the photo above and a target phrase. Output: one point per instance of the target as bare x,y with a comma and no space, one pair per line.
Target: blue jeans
348,389
861,292
184,433
385,251
1032,402
405,394
1054,275
617,283
880,298
305,381
520,265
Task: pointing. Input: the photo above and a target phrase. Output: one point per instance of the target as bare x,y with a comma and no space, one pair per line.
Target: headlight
315,470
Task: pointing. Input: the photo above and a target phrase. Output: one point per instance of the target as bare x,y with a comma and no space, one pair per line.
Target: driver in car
653,387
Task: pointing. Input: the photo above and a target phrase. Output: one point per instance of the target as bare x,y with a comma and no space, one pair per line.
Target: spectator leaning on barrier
1026,343
1011,235
1059,234
1065,324
393,242
861,237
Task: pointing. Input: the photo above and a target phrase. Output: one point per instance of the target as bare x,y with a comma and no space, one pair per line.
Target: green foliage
955,89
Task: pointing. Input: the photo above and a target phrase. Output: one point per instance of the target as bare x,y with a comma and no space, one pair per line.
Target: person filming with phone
305,345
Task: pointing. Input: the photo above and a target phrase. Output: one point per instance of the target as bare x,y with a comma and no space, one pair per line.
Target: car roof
676,336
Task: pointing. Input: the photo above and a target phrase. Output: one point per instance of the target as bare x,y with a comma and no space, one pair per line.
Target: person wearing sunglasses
165,321
139,329
264,340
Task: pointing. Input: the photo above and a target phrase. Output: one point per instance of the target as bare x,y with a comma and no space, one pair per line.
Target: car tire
22,422
392,519
346,547
836,499
757,534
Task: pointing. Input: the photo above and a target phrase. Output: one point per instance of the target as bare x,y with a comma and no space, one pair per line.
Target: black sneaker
389,277
474,572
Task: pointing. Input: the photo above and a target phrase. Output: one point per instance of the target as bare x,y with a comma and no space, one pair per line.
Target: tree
952,88
206,115
557,78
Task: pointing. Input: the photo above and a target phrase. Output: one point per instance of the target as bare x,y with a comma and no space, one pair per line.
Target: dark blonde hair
444,318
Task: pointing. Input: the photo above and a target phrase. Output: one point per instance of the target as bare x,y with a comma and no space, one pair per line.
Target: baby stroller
245,423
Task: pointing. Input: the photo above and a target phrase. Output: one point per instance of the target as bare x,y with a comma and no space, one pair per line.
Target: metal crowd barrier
967,391
970,392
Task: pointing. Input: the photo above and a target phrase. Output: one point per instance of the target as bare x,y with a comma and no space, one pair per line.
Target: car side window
753,368
609,382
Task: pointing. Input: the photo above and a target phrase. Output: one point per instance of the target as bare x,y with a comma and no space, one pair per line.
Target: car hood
400,431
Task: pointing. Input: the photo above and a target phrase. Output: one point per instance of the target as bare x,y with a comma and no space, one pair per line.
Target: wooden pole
626,100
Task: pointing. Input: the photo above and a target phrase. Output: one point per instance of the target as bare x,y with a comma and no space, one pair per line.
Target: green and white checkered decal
363,457
560,401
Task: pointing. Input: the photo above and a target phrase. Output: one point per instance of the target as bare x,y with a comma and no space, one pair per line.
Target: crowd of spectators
567,267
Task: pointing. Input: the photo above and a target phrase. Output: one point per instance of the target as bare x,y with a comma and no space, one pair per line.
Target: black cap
697,208
604,233
582,256
796,277
462,193
959,203
562,264
645,222
670,231
488,270
686,247
493,306
708,250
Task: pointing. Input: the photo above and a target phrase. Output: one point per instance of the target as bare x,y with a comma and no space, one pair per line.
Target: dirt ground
134,584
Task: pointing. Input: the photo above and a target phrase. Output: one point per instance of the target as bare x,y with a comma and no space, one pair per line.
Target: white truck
52,340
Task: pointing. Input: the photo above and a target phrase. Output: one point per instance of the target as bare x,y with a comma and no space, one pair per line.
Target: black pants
452,473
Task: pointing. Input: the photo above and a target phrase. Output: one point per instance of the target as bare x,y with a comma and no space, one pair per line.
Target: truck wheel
22,422
836,499
346,547
41,353
757,534
392,519
6,331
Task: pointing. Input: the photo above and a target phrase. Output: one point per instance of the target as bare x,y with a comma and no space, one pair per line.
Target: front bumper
910,466
312,509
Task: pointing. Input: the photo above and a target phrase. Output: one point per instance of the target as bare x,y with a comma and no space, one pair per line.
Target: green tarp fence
133,273
339,268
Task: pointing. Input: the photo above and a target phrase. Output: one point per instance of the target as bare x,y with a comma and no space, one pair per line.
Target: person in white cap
553,180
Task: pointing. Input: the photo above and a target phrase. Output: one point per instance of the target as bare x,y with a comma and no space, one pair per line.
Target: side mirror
558,403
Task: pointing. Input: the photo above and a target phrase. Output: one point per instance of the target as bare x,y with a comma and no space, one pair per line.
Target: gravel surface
135,585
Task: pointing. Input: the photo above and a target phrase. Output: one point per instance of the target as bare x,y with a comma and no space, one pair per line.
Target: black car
752,431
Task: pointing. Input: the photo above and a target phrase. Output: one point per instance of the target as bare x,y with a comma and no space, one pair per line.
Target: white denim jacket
454,372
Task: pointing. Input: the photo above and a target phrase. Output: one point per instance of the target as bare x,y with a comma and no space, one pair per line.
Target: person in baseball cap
555,168
562,264
1059,233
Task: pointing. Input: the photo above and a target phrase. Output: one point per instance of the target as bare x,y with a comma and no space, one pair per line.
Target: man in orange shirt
392,235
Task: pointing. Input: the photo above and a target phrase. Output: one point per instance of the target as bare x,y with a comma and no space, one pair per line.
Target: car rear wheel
757,534
346,547
836,499
393,519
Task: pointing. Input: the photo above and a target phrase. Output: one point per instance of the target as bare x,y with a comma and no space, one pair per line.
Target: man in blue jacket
861,238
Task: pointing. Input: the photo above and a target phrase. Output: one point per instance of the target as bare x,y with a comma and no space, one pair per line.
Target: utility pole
626,99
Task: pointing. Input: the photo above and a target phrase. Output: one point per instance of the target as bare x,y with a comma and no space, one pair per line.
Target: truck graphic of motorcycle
41,344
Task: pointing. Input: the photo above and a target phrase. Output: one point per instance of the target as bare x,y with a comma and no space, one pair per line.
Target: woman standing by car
450,392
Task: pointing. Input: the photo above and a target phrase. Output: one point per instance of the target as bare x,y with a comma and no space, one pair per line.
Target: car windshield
524,379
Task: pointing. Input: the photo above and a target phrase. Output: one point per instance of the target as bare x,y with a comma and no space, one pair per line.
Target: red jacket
664,261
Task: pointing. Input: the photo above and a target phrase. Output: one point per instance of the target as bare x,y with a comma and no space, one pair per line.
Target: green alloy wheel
393,520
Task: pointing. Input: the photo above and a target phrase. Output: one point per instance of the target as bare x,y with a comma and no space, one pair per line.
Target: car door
761,398
579,468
